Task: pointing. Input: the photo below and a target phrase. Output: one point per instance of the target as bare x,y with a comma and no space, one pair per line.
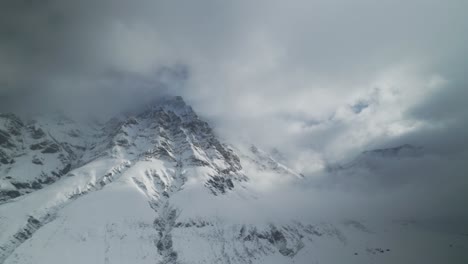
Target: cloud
320,80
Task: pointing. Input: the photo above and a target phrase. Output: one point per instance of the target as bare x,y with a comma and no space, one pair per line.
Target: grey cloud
313,78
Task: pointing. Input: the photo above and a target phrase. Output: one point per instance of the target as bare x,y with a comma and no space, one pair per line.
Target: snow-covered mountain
370,158
128,190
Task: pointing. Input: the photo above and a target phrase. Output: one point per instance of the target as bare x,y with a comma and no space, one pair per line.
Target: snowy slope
128,197
36,153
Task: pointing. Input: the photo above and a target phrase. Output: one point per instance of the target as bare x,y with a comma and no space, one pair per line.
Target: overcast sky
321,80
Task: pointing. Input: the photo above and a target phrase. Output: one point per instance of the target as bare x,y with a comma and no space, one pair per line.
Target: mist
321,81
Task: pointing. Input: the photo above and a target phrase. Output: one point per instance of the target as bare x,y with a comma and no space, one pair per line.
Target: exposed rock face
180,135
35,152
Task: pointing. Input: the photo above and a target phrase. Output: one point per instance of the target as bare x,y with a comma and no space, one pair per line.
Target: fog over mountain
361,104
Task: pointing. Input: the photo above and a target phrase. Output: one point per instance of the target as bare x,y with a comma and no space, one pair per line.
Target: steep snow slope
128,198
35,153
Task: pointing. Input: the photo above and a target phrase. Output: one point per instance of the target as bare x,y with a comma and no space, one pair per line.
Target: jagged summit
175,104
172,103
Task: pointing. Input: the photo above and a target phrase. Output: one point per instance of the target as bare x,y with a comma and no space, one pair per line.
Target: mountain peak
367,158
168,130
401,150
140,161
174,104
